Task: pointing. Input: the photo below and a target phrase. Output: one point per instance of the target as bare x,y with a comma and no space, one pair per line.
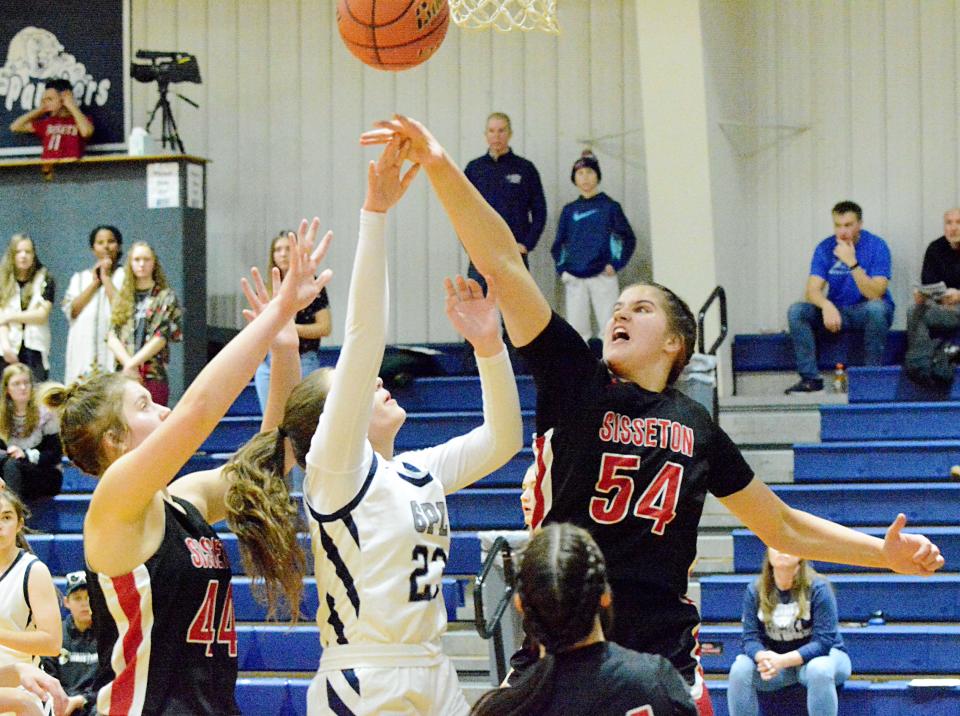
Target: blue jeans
820,676
805,319
309,362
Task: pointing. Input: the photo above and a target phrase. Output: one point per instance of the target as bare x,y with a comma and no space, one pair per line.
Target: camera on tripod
165,67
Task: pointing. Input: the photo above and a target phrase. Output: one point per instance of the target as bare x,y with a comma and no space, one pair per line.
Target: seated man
58,122
854,266
933,321
76,666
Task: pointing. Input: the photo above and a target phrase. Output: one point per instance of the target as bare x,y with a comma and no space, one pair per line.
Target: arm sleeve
752,631
339,449
467,458
73,290
823,610
49,452
822,261
621,227
538,209
881,264
729,471
49,288
169,328
930,272
556,250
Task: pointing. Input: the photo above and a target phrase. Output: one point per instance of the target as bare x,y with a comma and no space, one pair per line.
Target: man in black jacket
77,664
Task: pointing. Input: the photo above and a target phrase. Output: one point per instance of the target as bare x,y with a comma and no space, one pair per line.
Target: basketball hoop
506,15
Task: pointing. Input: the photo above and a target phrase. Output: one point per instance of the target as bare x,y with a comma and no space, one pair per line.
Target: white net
505,15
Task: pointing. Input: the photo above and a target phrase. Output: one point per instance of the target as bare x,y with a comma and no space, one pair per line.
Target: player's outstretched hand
385,187
302,284
424,148
42,685
910,553
258,297
474,315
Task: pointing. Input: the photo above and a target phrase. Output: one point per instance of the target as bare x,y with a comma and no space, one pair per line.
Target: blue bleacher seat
876,504
774,351
890,421
890,383
875,461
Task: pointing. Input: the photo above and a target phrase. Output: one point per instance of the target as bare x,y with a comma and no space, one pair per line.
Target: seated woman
30,450
561,591
790,635
26,296
146,319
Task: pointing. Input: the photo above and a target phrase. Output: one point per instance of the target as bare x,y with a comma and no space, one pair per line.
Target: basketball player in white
379,522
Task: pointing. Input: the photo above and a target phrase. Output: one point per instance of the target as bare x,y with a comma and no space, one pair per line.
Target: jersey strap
350,506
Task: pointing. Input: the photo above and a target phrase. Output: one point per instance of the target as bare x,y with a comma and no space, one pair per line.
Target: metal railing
718,294
490,628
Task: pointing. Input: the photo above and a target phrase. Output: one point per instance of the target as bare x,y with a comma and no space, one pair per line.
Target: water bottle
840,379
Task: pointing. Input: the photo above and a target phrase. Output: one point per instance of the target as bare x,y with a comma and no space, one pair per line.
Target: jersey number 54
616,484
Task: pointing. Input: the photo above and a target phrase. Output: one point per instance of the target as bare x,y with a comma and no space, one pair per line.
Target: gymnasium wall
282,103
874,87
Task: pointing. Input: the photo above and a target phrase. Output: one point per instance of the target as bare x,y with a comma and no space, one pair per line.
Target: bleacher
902,465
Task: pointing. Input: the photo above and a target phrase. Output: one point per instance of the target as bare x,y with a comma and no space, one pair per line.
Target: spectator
26,296
29,612
30,435
594,241
932,322
58,122
854,266
313,322
511,185
561,589
145,320
76,665
88,303
790,635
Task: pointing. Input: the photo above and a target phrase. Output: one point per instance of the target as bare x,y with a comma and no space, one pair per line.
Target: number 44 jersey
379,559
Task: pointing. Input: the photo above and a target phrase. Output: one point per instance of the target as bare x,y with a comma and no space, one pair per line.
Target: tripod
168,132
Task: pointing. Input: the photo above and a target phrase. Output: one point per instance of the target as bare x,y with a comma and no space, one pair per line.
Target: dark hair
23,514
681,322
560,582
116,234
259,510
844,207
59,84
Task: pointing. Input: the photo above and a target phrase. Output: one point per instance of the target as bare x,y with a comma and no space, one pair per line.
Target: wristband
856,265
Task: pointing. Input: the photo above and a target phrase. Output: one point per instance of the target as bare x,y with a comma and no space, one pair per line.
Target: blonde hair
7,408
88,410
768,596
503,116
259,510
123,303
8,270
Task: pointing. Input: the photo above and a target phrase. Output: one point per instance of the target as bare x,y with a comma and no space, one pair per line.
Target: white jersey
15,611
379,527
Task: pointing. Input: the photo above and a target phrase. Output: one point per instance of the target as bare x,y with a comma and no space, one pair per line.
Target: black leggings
30,481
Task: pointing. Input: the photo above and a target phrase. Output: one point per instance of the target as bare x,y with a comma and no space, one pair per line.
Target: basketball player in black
621,453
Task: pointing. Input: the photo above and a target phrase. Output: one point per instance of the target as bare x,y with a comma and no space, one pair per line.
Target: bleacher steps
773,466
769,420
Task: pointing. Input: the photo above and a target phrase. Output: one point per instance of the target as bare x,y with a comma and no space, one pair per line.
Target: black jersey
605,679
166,634
633,467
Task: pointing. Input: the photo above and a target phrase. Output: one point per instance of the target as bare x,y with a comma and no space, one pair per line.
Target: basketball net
506,15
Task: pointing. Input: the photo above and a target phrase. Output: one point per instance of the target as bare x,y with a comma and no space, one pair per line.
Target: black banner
83,41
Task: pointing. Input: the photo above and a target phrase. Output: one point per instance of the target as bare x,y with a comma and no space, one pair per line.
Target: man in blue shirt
511,185
854,266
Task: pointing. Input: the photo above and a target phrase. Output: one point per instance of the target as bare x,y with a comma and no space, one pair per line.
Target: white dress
87,340
379,527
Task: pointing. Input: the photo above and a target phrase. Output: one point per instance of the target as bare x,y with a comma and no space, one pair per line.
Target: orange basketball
393,34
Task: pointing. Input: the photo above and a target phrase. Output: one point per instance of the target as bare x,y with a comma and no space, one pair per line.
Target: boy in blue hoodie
594,241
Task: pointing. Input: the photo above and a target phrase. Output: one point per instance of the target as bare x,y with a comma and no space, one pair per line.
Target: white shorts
389,679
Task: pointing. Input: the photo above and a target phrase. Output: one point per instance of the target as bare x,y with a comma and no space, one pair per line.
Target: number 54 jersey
379,558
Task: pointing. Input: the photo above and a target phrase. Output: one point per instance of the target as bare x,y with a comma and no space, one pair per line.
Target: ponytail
266,522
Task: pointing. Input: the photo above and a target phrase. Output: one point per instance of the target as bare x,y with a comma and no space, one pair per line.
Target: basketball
393,34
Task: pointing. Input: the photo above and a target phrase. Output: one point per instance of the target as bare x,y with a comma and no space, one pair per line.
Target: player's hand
474,315
910,553
301,284
831,318
43,686
258,297
845,251
424,148
385,187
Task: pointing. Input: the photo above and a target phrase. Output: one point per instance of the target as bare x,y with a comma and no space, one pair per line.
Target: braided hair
560,583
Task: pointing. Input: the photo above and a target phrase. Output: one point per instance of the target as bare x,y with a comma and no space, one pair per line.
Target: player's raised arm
483,233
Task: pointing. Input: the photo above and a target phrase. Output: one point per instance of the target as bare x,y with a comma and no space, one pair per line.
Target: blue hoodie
591,234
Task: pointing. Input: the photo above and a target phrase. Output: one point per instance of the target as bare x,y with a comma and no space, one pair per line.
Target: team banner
82,41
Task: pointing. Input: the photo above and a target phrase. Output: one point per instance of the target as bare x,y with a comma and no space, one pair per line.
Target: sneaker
806,385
